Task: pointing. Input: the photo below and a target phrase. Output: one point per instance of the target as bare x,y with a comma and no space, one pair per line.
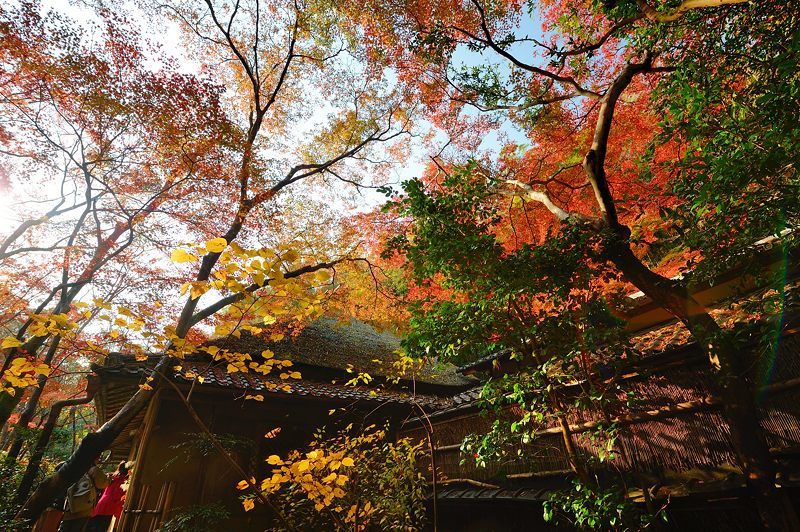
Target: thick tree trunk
89,450
737,396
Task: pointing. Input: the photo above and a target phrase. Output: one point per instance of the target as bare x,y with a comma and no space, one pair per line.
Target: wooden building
176,470
676,444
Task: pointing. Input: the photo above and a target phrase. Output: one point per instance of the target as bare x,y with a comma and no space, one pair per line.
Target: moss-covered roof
337,345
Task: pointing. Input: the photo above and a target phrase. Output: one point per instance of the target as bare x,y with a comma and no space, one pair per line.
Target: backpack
81,496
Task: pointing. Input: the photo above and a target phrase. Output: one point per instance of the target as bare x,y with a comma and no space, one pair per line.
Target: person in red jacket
110,503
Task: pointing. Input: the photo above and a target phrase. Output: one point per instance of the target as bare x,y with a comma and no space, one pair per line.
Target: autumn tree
298,111
652,127
99,159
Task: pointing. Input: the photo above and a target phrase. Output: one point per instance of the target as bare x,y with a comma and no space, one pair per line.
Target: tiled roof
674,335
660,340
457,402
497,494
484,360
254,383
663,339
744,310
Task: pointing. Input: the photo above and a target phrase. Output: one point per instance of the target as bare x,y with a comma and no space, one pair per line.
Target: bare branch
600,42
242,59
489,41
536,195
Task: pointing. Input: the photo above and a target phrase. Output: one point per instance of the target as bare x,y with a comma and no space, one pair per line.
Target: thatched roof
341,346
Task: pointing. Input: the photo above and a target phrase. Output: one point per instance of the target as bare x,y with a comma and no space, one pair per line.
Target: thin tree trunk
434,482
39,449
574,460
29,411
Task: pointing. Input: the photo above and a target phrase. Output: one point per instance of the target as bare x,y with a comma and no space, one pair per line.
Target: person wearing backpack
81,499
110,504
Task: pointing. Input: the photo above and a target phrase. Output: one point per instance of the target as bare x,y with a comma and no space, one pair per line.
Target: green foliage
74,424
199,518
535,304
484,83
731,111
590,507
11,472
735,108
524,299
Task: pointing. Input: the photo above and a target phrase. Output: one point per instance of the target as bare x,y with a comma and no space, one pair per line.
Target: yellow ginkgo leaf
216,245
181,255
248,504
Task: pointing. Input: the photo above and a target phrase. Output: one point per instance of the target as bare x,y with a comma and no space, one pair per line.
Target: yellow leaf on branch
216,245
10,341
181,255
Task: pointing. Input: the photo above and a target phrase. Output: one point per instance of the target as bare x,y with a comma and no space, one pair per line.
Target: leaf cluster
382,488
593,508
733,106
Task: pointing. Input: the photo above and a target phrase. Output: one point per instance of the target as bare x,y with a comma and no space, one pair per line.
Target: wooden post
143,438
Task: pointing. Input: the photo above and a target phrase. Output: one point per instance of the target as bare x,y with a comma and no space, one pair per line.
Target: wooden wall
170,476
682,439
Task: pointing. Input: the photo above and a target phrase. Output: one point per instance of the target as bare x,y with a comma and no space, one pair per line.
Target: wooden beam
675,410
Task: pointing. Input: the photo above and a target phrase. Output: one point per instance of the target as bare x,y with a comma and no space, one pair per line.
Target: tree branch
537,196
678,12
489,41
